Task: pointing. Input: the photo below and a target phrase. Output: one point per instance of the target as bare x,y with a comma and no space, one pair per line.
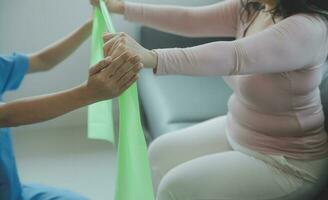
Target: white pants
198,163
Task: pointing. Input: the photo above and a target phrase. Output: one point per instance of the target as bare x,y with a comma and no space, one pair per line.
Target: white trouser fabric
202,163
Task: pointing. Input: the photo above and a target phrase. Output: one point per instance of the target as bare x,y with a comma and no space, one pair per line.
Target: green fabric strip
133,181
100,118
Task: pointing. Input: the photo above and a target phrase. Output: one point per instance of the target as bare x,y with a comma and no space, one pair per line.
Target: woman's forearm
38,109
219,19
54,54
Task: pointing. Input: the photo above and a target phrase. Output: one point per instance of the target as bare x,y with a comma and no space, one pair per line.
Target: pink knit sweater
275,108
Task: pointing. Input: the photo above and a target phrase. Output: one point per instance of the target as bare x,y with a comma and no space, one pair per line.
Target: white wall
28,25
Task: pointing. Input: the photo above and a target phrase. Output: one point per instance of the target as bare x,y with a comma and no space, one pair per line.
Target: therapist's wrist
84,95
87,28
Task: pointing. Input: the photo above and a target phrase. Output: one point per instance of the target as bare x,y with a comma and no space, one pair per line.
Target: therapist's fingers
133,65
127,84
117,63
129,74
100,66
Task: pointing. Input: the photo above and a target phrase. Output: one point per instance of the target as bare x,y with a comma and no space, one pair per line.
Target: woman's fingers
107,36
94,2
100,66
109,45
126,64
114,42
117,47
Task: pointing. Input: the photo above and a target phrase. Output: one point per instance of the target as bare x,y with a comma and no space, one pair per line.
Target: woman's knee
171,187
157,150
158,157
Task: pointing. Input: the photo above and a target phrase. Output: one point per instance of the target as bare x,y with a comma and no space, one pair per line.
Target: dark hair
286,8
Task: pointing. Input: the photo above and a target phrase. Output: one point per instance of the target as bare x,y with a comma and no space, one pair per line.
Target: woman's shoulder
309,20
309,29
306,24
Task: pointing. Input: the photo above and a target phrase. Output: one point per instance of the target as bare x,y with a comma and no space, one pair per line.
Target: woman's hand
115,6
110,78
117,44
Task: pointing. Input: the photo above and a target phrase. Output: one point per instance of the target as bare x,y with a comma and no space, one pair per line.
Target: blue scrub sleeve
12,71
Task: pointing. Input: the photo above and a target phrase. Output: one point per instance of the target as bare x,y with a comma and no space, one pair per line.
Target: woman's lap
197,163
177,147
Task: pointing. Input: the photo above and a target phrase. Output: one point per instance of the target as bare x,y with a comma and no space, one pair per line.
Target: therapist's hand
117,44
110,78
115,6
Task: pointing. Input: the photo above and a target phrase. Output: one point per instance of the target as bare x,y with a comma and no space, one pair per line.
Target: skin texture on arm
107,79
52,55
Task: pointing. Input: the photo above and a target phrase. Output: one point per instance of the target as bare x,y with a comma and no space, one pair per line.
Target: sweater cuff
160,67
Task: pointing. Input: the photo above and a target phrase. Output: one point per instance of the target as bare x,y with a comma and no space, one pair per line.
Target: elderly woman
272,143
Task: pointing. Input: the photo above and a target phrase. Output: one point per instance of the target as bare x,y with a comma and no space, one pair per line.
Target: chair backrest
151,38
324,93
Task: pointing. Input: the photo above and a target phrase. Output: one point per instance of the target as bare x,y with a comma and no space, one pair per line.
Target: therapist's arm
107,80
52,55
37,109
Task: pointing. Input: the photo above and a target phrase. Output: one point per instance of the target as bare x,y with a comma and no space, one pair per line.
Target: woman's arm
108,79
220,19
49,57
297,42
294,43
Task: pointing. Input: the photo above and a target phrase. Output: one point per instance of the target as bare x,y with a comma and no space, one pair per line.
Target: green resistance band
133,177
100,118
